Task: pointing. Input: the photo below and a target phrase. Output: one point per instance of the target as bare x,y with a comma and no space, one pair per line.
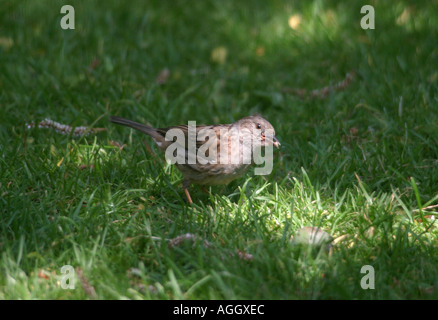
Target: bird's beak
275,142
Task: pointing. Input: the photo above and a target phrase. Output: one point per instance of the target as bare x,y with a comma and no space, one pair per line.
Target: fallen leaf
404,17
219,55
85,166
163,76
311,236
6,43
184,237
43,274
244,256
94,64
354,131
340,238
53,150
294,21
117,144
260,51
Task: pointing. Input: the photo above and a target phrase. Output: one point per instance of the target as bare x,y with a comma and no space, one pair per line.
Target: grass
362,164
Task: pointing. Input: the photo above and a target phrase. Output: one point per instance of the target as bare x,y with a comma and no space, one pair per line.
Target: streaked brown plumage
212,173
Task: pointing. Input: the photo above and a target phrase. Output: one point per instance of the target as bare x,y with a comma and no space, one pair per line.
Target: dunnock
211,155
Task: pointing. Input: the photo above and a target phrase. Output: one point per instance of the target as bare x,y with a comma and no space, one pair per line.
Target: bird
210,154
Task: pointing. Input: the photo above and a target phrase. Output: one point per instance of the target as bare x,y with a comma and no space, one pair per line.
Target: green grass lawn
360,163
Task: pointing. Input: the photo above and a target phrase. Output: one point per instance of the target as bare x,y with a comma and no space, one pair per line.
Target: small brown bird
214,154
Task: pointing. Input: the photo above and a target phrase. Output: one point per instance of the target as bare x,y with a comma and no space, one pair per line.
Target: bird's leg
205,190
186,191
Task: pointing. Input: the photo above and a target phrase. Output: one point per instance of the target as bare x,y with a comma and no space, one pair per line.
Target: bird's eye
259,126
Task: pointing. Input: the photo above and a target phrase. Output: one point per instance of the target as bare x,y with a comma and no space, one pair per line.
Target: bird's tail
138,126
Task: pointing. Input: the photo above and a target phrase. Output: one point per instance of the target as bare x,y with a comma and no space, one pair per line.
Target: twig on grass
322,92
64,128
